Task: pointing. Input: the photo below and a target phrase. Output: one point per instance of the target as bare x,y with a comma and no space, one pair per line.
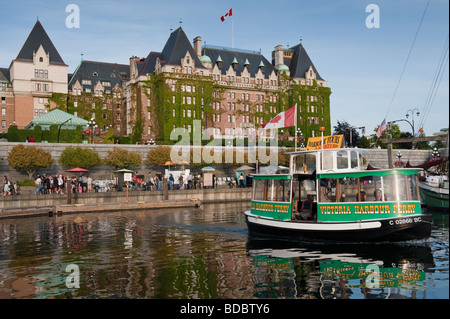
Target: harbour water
205,253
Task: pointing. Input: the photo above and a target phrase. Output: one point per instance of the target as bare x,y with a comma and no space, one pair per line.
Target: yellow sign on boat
333,141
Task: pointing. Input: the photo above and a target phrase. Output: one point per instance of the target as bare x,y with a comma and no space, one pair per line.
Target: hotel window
106,83
3,112
86,82
2,86
3,100
3,124
189,100
37,87
189,113
173,112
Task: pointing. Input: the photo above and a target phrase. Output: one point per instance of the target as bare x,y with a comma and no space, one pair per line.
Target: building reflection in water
192,253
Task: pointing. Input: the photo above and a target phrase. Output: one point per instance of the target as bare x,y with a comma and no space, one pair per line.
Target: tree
345,128
29,159
121,158
158,156
79,157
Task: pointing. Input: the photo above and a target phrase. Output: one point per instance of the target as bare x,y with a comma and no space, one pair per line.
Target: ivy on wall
169,94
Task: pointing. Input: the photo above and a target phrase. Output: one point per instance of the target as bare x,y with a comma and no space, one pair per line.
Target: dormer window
41,59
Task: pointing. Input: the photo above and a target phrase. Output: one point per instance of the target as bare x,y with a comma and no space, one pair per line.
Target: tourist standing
89,184
181,181
6,190
189,181
60,184
84,183
241,180
38,183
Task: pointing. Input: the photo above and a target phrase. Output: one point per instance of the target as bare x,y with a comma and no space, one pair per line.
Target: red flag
228,14
421,130
284,119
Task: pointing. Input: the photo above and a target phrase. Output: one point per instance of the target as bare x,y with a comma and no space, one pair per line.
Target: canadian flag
228,14
284,119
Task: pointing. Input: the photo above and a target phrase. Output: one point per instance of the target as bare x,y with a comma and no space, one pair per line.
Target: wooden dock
23,212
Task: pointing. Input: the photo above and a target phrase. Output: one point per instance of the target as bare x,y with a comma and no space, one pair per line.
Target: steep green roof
58,117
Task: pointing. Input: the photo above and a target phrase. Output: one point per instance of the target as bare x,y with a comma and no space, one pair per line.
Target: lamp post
435,153
60,125
412,118
92,125
399,162
301,139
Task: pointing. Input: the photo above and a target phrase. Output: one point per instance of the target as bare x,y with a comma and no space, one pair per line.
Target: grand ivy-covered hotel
231,91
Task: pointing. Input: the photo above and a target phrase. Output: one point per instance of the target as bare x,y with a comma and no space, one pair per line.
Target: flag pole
232,31
295,132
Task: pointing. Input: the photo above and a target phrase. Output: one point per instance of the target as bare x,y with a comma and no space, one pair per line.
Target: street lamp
412,118
60,125
300,138
92,125
435,153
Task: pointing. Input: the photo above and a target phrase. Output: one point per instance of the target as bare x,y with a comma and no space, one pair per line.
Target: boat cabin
333,185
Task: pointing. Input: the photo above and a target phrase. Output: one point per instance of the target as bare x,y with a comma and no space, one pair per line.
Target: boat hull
393,229
434,197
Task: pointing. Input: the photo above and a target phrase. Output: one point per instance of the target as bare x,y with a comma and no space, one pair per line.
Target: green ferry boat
328,195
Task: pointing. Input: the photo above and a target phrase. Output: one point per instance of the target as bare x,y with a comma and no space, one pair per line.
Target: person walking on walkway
6,190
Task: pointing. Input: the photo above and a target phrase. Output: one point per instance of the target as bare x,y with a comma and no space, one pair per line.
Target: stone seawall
222,195
375,157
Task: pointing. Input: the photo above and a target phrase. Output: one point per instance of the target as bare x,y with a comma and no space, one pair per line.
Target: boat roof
272,176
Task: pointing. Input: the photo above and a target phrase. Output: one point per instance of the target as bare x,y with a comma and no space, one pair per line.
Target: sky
380,62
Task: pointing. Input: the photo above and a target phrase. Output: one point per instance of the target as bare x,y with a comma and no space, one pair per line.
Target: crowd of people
58,184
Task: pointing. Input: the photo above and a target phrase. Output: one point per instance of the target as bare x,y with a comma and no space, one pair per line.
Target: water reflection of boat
340,271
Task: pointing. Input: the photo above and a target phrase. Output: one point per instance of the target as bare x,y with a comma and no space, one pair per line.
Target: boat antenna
322,129
407,59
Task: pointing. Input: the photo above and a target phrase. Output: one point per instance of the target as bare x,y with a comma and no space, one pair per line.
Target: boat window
354,159
389,188
327,159
305,163
400,188
271,190
342,159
